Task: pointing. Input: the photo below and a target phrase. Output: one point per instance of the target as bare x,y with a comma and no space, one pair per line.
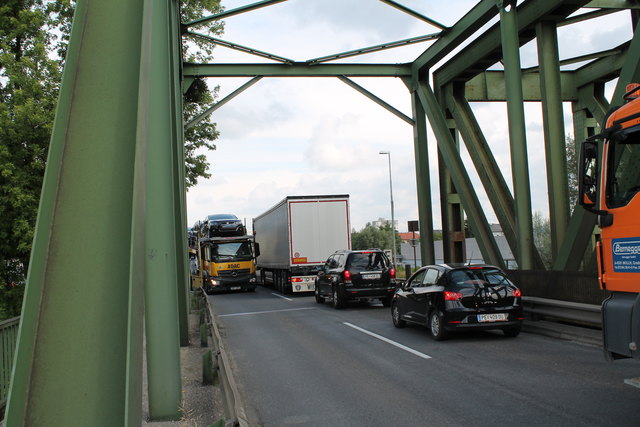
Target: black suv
356,275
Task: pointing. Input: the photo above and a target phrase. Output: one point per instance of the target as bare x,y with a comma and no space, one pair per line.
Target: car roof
222,216
460,266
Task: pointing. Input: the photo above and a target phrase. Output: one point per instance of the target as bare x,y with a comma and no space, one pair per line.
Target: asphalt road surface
297,362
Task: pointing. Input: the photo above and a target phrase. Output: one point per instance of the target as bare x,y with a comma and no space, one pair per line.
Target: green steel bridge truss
109,265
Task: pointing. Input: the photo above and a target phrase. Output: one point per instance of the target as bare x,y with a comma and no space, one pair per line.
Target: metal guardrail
579,313
234,408
8,338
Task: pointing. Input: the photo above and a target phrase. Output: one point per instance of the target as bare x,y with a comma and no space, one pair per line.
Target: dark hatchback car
455,297
356,275
222,225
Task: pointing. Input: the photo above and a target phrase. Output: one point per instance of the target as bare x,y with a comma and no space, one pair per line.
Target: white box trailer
296,237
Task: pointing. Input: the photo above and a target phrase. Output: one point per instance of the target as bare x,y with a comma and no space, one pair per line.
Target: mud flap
621,325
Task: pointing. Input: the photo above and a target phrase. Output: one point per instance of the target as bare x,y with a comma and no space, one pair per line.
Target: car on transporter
350,275
452,297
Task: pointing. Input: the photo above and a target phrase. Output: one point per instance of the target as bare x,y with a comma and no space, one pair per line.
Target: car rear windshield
366,261
471,277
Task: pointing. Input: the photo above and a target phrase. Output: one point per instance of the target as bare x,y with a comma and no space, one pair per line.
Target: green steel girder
180,189
486,166
223,101
614,4
157,131
415,14
371,49
423,180
377,100
592,98
486,50
233,12
239,47
471,22
79,352
459,176
490,86
451,209
297,70
554,134
630,71
604,69
517,136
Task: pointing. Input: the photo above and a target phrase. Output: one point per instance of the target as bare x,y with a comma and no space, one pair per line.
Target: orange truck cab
609,186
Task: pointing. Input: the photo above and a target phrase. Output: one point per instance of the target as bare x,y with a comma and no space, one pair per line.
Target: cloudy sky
304,136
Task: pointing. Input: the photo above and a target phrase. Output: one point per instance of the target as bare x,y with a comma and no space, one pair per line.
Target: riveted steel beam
490,86
297,70
79,353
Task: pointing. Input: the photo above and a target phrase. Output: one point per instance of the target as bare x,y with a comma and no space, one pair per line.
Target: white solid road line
387,340
278,295
265,312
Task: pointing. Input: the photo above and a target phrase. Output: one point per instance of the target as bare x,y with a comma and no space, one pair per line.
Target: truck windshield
232,251
624,167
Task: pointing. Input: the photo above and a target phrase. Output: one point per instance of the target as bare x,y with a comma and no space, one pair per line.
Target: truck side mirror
256,249
588,174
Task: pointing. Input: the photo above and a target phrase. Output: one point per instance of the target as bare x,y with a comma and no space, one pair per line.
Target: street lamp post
393,223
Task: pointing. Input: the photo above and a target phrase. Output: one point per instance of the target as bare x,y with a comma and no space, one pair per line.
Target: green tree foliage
542,237
572,171
199,98
374,237
33,40
29,84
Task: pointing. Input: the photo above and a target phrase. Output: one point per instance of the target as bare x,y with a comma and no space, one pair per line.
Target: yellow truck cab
228,263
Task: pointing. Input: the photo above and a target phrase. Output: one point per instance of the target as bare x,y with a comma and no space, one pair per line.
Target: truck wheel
338,301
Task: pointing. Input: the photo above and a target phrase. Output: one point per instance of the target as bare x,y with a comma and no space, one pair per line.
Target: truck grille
233,273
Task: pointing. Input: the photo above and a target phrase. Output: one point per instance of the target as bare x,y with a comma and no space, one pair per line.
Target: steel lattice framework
109,253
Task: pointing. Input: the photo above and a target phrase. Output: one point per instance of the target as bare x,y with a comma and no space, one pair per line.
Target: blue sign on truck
626,255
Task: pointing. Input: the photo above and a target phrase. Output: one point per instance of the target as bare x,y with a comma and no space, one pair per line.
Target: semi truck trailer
297,235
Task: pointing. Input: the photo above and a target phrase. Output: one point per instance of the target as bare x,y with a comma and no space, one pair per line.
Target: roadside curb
566,332
234,406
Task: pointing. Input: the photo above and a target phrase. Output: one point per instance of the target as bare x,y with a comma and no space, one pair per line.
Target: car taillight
452,296
516,293
347,275
392,272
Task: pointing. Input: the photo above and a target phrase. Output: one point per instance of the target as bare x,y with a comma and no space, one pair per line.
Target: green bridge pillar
79,351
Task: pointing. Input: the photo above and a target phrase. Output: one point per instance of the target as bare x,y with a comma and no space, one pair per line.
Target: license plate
370,276
496,317
235,288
